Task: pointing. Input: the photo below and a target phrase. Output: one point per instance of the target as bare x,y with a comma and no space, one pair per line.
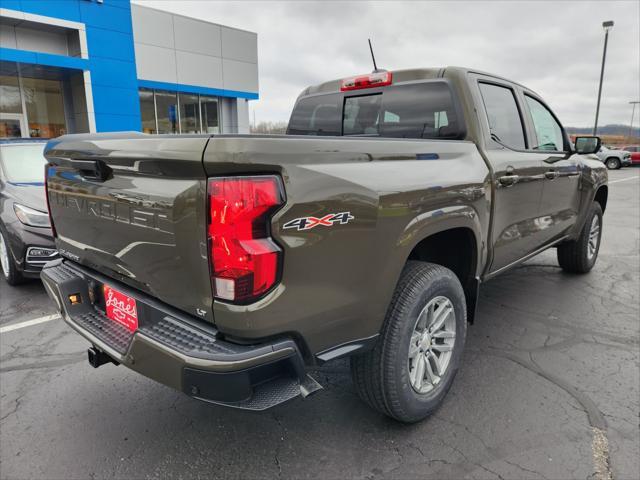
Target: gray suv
614,159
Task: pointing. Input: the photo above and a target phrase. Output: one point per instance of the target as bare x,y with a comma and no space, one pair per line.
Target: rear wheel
409,372
613,163
580,255
9,270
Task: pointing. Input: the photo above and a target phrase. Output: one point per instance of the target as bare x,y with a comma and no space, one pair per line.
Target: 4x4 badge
329,220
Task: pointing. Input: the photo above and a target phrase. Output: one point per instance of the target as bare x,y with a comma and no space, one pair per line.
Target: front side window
548,131
503,115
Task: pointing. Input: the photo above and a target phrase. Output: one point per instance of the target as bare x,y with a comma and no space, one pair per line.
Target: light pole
608,25
633,111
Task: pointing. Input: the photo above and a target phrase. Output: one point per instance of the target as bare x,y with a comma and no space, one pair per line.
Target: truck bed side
337,280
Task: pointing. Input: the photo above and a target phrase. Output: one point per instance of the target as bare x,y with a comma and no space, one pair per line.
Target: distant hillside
607,130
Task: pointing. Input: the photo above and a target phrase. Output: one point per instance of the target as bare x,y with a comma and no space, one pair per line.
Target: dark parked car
26,240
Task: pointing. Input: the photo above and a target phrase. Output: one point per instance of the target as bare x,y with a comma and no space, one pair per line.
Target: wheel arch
601,196
452,237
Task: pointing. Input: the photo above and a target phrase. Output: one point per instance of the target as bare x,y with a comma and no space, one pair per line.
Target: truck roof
407,75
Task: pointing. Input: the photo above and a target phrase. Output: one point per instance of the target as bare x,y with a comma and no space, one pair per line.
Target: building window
189,113
31,107
10,101
210,118
171,112
45,108
148,111
167,112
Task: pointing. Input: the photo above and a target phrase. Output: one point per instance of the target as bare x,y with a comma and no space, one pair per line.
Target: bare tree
270,127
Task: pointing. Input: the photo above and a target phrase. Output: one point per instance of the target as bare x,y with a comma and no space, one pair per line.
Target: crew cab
227,265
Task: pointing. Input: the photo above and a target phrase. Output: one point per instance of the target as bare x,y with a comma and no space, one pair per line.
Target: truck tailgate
135,211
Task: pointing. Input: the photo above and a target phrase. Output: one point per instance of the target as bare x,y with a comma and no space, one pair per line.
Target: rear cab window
417,110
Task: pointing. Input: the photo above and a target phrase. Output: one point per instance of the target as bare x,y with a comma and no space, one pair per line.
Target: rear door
134,208
518,173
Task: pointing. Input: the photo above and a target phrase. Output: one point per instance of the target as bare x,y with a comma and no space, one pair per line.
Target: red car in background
635,153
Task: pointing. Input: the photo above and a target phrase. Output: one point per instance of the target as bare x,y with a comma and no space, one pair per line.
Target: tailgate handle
95,170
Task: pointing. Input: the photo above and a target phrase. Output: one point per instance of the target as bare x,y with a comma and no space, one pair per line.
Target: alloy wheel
431,346
594,237
4,256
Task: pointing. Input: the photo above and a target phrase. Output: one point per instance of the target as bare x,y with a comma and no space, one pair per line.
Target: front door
560,195
12,125
518,175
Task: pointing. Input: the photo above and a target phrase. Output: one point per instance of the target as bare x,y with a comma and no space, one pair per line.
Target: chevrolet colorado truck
228,266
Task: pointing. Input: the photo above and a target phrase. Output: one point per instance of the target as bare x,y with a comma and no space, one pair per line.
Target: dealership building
74,66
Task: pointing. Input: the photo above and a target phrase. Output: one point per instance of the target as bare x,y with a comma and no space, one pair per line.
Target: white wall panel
240,76
41,41
239,45
200,70
152,27
197,37
156,63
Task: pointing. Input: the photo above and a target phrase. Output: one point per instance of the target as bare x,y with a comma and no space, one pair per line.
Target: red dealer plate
121,308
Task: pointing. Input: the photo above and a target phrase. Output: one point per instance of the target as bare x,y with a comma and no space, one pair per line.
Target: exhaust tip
309,386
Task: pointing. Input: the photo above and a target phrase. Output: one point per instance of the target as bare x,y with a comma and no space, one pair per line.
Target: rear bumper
176,350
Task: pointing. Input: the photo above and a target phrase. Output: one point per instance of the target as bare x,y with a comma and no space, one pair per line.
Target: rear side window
504,118
421,110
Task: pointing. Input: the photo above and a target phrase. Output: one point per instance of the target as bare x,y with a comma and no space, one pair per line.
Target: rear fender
431,223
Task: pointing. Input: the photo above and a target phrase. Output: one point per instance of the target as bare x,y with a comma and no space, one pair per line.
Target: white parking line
625,179
28,323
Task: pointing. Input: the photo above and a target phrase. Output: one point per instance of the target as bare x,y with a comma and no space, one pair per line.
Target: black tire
381,375
574,257
613,163
12,275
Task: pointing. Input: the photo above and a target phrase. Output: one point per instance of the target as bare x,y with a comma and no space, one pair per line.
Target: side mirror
586,145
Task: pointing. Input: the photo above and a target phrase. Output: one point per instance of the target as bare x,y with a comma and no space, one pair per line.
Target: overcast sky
554,48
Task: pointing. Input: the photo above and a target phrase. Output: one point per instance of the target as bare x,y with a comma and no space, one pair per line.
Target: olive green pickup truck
226,266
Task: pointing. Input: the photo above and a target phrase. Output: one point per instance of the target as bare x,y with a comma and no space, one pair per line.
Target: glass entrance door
12,125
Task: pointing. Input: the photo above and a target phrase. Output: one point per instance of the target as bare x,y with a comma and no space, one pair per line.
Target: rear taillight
244,258
371,80
46,196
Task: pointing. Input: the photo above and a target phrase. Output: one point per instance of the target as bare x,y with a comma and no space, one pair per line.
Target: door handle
551,174
508,180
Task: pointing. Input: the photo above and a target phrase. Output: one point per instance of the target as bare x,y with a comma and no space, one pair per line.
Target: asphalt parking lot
549,389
